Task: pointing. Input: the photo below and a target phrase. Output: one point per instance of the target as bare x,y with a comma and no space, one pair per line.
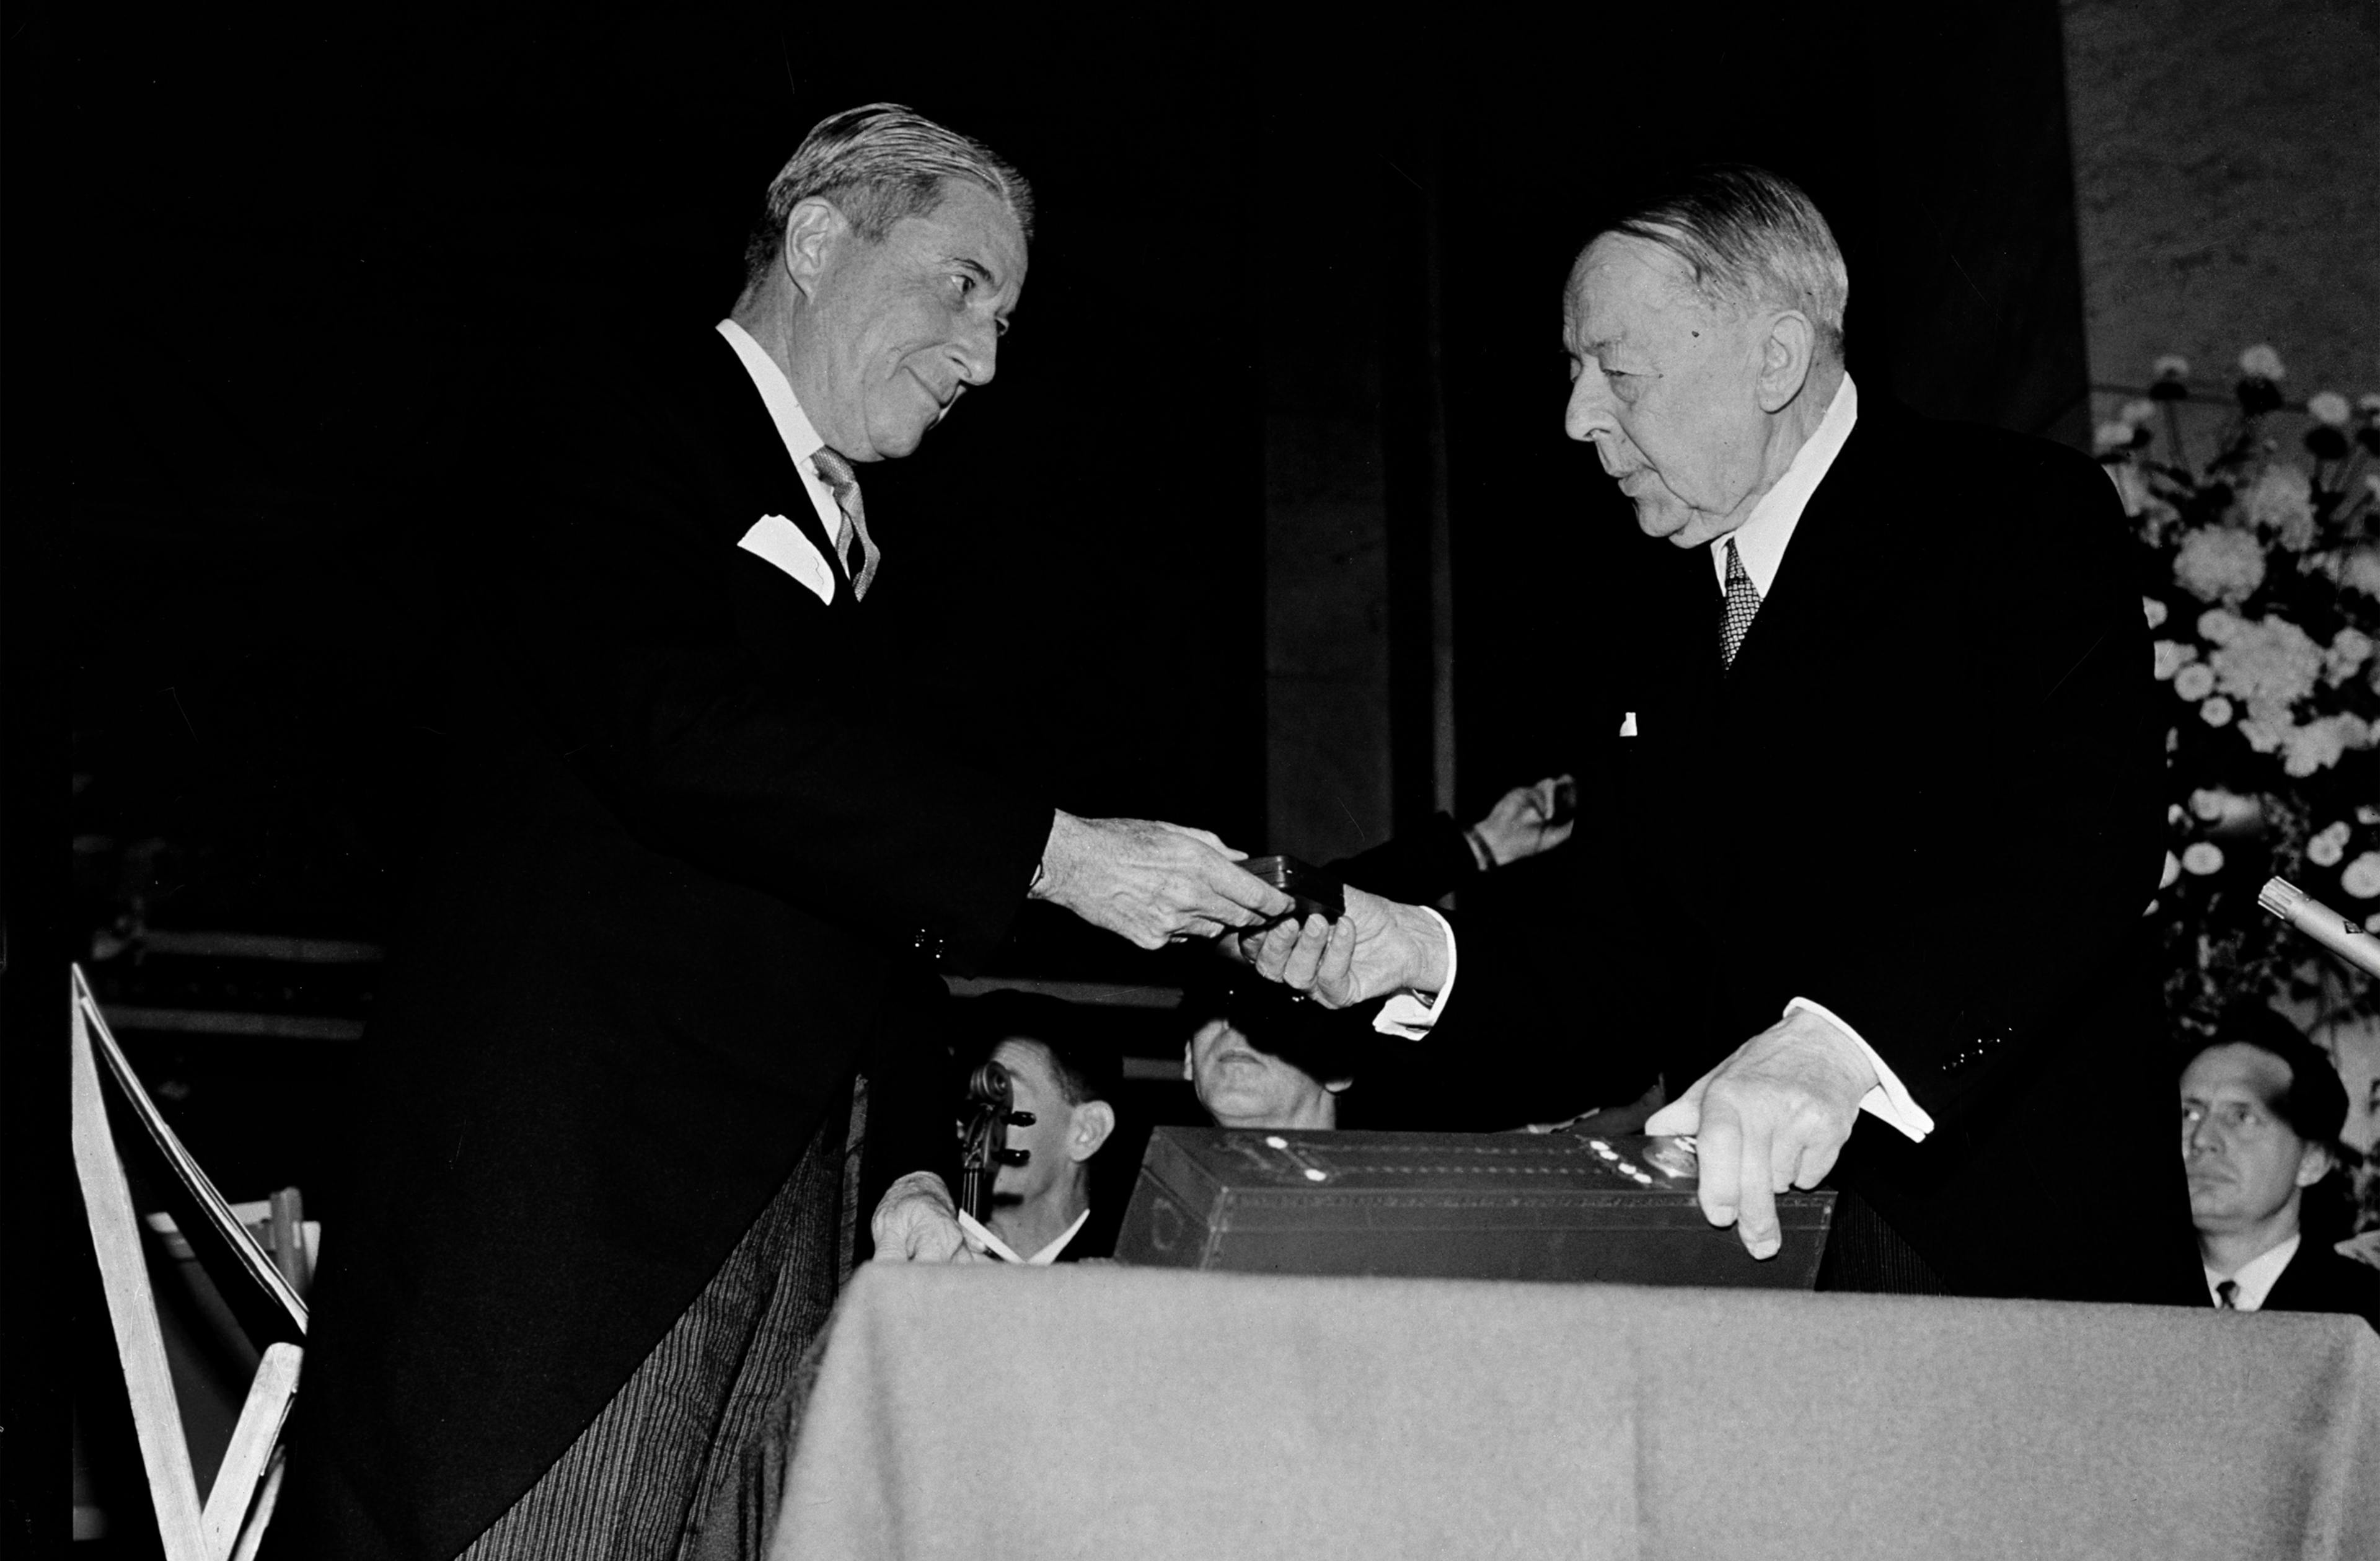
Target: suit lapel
760,477
1836,565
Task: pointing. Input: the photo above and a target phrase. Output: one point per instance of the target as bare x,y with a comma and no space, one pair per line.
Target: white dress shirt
984,1238
2256,1278
793,427
1760,542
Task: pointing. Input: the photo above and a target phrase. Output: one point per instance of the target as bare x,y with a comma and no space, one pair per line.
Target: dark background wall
1268,524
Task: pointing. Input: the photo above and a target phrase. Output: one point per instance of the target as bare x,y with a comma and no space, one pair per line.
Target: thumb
1684,1115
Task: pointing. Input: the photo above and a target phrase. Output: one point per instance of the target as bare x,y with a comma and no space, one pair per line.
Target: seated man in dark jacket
2261,1111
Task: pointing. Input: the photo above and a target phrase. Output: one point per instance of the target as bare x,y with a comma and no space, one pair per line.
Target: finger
1784,1159
1239,898
1718,1148
1817,1160
1684,1115
1557,833
1755,1205
1273,949
1334,985
1313,938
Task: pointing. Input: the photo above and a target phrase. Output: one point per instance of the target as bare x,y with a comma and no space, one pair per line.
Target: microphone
2327,927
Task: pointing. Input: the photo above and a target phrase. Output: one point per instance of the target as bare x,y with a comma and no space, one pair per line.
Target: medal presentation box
1617,1210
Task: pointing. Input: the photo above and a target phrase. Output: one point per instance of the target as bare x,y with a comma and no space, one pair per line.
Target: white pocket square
1628,724
781,542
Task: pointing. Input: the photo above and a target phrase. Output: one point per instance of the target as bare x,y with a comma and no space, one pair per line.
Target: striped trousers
659,1474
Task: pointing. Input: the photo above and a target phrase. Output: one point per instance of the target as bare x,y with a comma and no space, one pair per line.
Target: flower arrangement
2263,596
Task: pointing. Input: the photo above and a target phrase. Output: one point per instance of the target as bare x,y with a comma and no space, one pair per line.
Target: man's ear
1094,1121
812,228
1189,1072
2313,1163
1784,360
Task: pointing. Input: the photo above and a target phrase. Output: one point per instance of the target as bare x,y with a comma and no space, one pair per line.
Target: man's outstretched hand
1377,946
1151,883
1773,1116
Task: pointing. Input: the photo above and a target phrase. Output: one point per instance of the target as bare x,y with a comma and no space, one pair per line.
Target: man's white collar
1761,540
793,427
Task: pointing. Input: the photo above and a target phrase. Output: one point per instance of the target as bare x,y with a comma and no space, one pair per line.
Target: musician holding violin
1037,1112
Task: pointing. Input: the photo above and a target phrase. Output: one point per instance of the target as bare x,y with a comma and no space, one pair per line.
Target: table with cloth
1114,1411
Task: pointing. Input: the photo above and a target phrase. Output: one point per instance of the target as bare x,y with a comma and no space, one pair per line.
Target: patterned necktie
2226,1296
1742,604
860,561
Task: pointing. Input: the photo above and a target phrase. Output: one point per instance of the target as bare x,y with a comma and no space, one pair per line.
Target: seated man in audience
2261,1110
1259,1059
1060,1079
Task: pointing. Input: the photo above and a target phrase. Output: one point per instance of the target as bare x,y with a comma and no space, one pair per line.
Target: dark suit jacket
1926,795
690,879
2318,1279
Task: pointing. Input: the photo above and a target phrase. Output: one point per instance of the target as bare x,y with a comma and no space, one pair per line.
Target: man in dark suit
696,879
1879,773
2262,1107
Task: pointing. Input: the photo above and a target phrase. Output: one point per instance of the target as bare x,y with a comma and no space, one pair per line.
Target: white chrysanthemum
2369,403
2319,744
2281,499
2112,435
2362,878
2218,806
2349,649
2202,858
2216,712
2262,363
2172,656
2366,813
2138,410
2220,564
2361,571
2218,626
2195,681
2173,365
2325,848
2330,407
2152,610
2269,662
2172,871
2371,922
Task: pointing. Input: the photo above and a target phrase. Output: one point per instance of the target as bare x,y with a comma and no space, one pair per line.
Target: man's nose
1589,412
2202,1137
977,352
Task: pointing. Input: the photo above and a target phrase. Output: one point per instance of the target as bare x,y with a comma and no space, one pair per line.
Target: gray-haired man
1883,756
691,881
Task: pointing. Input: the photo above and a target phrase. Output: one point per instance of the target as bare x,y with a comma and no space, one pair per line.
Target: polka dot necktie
1742,604
2227,1295
852,544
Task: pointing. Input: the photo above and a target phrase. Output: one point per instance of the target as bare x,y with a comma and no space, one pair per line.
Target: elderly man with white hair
1878,791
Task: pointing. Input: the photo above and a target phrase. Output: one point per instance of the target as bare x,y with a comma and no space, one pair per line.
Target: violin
983,1138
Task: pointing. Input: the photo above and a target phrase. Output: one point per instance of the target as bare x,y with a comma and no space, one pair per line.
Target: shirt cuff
1409,1014
1890,1099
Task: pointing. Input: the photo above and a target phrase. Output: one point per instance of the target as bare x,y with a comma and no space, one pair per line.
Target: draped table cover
1109,1412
